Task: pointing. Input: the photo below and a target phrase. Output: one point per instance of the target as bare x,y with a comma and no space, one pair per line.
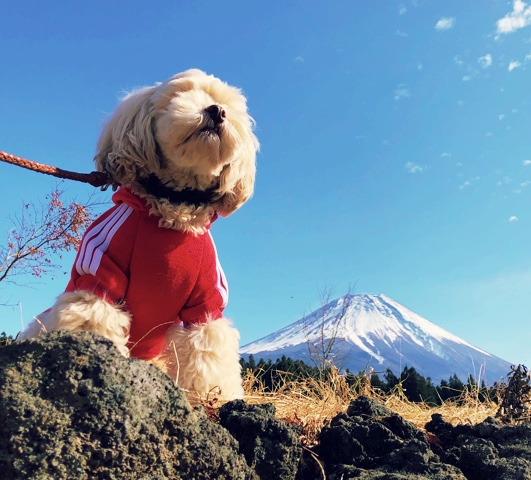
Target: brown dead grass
311,404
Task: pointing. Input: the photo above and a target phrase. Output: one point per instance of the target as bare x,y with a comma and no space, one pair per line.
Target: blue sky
395,153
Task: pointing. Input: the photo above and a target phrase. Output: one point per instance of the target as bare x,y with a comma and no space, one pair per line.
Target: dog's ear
127,149
237,179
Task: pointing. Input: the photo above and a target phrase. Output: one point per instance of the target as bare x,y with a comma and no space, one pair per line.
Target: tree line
410,383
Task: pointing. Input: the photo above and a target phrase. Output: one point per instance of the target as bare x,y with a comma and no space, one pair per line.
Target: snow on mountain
375,330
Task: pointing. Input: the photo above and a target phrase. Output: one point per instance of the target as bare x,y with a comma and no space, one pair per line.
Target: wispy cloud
513,218
401,92
501,116
414,168
485,61
445,23
468,183
526,163
446,154
519,18
514,64
504,181
467,78
299,59
399,33
402,9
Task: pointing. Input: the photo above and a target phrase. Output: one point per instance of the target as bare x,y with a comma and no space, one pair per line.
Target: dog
147,275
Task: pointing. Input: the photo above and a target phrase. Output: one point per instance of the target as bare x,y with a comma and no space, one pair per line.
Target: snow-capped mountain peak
379,330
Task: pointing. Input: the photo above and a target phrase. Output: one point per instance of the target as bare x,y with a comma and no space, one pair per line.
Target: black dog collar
190,196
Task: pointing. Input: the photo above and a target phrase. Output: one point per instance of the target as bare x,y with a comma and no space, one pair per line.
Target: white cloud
446,154
468,183
520,17
420,66
402,9
485,61
514,64
299,59
445,23
504,181
501,116
466,78
414,168
513,218
489,134
398,33
401,92
458,61
526,162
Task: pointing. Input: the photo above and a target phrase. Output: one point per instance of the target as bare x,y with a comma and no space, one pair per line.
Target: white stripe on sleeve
221,285
97,242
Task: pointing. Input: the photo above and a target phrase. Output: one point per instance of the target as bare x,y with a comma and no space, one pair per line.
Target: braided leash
96,179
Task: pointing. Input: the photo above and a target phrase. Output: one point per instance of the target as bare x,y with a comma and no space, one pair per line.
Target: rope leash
96,179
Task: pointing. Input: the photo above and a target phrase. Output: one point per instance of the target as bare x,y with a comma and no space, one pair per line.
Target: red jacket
159,275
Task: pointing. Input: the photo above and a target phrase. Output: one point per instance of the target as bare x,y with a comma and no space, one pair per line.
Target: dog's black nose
216,113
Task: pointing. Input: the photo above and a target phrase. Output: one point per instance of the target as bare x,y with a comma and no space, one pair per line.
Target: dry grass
307,403
311,404
467,409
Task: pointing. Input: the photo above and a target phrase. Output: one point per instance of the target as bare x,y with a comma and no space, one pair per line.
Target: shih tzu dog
147,275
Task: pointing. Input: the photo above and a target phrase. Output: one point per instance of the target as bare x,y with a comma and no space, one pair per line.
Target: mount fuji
376,331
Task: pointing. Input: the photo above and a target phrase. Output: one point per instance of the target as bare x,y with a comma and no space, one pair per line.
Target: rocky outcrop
369,441
488,450
71,407
270,446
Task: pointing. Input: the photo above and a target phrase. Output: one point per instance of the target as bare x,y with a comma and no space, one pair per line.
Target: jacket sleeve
102,261
210,293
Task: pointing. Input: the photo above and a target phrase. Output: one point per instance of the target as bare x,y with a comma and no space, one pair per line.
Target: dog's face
201,122
190,132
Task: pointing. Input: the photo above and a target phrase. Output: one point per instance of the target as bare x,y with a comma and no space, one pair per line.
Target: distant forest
413,385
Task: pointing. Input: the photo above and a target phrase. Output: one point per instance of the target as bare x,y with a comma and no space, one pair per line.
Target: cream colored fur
204,359
83,311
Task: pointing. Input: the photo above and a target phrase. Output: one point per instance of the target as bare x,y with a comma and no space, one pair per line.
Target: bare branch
40,233
323,343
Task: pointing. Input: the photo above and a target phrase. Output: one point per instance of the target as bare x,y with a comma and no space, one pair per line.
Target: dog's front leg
205,358
83,311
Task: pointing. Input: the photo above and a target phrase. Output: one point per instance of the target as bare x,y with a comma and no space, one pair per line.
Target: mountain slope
377,331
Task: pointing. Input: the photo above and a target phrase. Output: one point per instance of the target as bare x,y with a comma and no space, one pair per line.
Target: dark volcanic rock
271,447
372,442
71,407
488,450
